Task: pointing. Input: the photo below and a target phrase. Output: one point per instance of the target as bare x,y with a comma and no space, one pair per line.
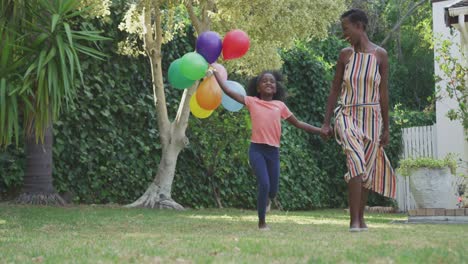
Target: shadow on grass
332,217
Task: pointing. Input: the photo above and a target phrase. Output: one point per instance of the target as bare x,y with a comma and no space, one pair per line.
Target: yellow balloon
196,109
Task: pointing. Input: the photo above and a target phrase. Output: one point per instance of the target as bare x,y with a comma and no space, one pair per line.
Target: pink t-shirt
266,119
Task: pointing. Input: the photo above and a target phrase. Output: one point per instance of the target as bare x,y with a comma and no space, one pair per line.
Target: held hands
326,131
213,72
210,72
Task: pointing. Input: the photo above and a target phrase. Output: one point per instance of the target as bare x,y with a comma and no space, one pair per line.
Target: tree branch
148,37
183,112
400,22
153,43
193,17
206,6
157,26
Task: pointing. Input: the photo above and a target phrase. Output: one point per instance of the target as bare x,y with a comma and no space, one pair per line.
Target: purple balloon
209,45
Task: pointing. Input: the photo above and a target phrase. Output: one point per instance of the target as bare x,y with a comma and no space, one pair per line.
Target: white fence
417,142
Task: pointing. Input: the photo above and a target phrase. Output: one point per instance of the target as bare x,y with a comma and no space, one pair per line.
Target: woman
361,121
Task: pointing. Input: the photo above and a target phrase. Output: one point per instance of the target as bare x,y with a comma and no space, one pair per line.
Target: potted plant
431,181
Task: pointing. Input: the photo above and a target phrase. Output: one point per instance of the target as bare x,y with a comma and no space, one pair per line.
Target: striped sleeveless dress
358,125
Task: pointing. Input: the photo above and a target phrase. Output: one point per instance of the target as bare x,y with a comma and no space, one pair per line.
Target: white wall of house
450,134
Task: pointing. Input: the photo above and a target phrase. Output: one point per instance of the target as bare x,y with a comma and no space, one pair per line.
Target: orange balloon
209,94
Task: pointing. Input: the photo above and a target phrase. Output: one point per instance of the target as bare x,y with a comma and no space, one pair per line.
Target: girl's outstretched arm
238,97
302,125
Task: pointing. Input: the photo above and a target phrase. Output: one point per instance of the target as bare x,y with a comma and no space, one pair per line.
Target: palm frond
55,19
3,110
42,42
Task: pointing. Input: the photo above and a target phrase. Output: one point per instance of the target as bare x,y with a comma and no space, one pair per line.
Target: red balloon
235,44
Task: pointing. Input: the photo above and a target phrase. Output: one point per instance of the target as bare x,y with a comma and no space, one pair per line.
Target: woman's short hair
355,16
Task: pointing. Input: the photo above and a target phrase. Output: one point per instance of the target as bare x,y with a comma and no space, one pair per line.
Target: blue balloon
229,103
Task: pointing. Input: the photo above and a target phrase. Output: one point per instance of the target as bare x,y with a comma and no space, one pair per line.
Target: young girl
266,107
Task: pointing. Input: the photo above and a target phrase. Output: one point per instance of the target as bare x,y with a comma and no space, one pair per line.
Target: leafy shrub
409,118
11,170
407,165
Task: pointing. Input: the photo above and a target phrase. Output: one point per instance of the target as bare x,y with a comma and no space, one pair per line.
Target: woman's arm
238,97
383,69
302,125
335,90
336,85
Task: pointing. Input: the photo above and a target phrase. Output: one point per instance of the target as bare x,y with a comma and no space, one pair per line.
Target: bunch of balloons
193,66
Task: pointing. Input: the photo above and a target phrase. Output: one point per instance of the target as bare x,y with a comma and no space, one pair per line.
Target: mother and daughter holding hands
361,121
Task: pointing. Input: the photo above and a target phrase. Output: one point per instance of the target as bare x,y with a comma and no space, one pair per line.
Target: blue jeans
264,160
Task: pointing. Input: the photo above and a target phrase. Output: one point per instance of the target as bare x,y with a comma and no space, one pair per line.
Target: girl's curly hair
280,90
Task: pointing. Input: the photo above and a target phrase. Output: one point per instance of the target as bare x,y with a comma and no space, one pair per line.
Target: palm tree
39,60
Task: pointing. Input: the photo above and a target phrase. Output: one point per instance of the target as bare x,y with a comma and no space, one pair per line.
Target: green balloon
176,78
193,66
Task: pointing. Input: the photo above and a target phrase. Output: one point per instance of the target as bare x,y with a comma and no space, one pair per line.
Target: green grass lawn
98,234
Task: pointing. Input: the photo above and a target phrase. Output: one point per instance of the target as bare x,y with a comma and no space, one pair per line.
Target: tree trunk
172,134
38,187
158,194
216,192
